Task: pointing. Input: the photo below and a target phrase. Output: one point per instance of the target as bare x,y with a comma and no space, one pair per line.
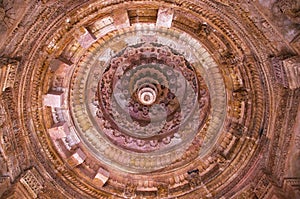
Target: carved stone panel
292,69
8,71
287,71
32,181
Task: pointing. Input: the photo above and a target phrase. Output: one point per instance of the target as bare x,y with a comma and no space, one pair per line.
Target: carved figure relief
6,15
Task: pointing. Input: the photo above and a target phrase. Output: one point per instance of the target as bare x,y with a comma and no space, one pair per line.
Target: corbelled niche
149,99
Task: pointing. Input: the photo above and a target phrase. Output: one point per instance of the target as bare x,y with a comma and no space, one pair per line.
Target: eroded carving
6,19
130,190
288,8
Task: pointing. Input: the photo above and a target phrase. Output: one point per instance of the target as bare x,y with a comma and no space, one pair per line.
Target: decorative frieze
130,190
216,32
13,140
293,184
194,178
8,72
162,190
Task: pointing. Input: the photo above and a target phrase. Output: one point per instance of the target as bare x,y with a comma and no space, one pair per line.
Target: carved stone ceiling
149,99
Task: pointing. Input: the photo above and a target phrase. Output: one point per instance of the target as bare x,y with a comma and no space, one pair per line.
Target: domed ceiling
150,99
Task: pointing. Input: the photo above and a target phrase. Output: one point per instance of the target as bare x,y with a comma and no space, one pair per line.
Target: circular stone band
90,129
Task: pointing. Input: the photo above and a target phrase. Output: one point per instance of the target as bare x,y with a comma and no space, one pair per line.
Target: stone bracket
77,158
86,38
54,99
101,176
121,18
59,130
165,17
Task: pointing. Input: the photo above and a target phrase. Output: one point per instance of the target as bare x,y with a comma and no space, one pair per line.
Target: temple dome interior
150,99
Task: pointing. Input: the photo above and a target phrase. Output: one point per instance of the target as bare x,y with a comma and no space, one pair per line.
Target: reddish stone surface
248,51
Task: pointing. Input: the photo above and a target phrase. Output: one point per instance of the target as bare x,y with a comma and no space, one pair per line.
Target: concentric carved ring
147,94
113,118
169,106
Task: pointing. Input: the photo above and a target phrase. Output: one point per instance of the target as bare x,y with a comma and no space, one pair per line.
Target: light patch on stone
164,17
77,158
101,177
54,99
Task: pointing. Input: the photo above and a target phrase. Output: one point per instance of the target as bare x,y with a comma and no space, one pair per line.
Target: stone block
57,64
59,130
121,19
54,99
165,17
76,159
101,177
85,38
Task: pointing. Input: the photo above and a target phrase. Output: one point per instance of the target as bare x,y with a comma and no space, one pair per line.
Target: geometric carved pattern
29,186
32,182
